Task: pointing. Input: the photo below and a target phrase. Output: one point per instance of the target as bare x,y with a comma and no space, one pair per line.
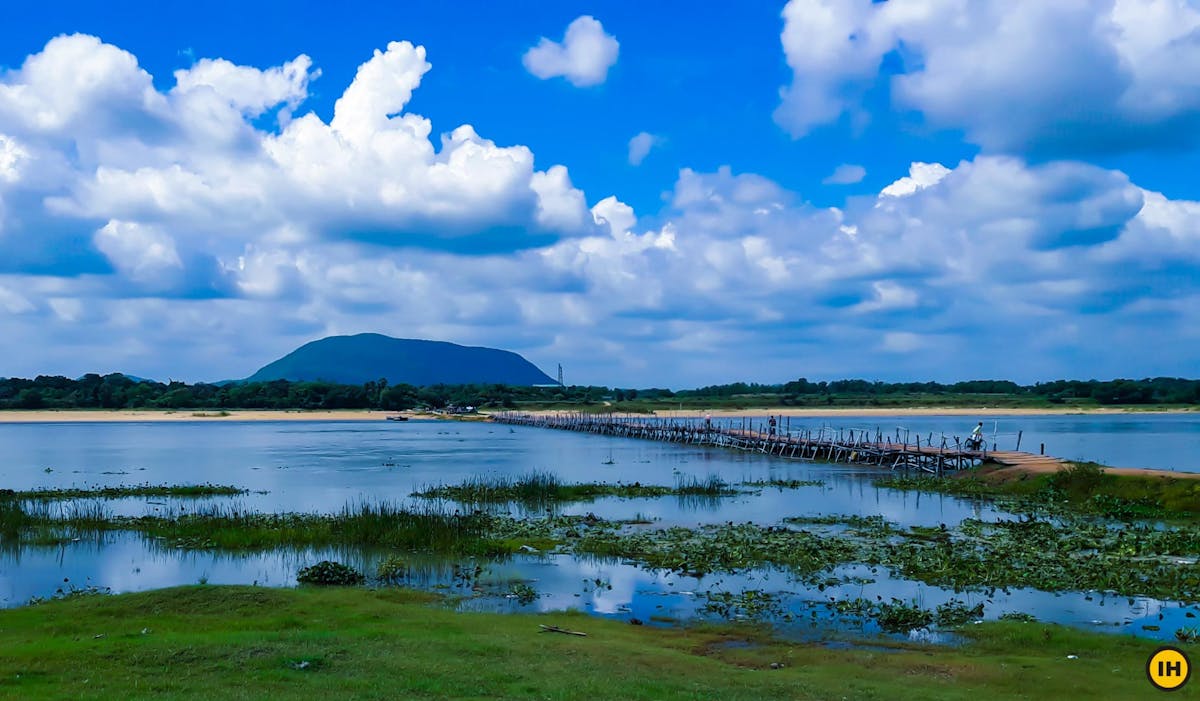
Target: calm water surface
314,466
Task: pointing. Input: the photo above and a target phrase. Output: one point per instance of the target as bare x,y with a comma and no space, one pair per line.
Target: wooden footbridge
935,454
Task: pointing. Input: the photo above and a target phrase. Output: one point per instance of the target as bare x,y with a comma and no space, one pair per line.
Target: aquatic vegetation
533,487
898,616
119,492
1061,553
870,524
722,548
752,604
956,613
1018,616
957,485
365,524
978,555
329,573
711,486
43,523
391,569
523,593
1070,555
538,489
784,484
13,520
1084,487
70,590
466,575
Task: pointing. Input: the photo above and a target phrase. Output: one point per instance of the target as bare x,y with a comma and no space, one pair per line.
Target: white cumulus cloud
137,249
1076,76
251,90
920,176
206,244
583,57
105,145
846,174
640,145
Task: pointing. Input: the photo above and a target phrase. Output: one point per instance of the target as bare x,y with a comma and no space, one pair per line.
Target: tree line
118,391
1157,390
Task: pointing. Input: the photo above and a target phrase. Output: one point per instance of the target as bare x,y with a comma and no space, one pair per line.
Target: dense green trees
1158,390
121,392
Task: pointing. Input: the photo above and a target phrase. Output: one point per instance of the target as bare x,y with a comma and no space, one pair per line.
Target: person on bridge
977,436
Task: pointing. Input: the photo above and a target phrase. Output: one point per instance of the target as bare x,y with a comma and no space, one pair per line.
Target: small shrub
898,616
1080,479
327,573
523,593
391,569
956,613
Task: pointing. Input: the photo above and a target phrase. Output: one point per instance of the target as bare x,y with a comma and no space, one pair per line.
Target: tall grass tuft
13,520
711,486
120,492
533,488
379,524
39,522
539,489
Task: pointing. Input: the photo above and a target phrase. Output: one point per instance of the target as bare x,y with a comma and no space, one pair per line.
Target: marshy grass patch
1081,488
362,524
539,489
1055,553
783,484
53,523
121,492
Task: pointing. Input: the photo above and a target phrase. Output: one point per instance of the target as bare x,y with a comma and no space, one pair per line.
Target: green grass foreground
214,642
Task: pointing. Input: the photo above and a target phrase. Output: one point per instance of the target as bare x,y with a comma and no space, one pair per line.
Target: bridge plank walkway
859,447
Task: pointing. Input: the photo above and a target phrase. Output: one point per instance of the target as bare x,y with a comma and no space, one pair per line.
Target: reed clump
120,492
381,524
542,488
44,523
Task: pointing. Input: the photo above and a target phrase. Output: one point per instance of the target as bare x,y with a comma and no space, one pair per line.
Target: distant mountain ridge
368,357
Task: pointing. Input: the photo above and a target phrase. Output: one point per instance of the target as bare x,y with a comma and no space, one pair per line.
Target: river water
321,466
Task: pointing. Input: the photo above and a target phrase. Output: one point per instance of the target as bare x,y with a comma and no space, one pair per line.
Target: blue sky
911,189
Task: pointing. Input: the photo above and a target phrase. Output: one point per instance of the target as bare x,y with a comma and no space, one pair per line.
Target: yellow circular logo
1168,668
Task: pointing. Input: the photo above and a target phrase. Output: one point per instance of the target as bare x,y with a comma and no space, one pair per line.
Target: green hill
371,356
